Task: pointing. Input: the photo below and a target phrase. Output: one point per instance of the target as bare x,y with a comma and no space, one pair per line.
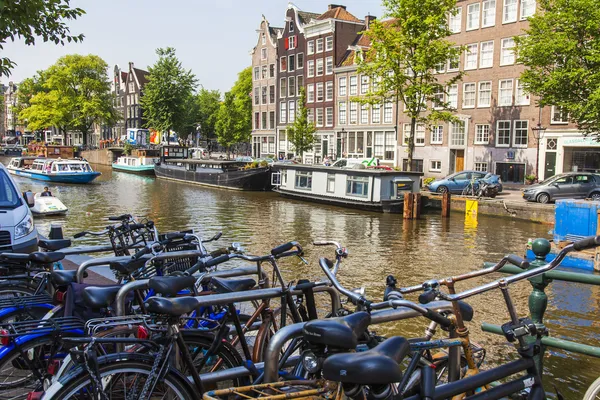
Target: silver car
573,185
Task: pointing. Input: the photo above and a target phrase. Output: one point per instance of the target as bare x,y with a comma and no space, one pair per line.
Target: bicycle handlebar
282,250
84,233
340,252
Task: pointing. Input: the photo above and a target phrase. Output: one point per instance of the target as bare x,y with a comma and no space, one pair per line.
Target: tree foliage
234,118
402,58
31,19
562,53
168,95
208,103
73,95
301,133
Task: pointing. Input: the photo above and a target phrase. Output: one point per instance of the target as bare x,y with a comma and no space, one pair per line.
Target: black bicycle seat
342,332
54,244
232,285
63,278
45,258
128,265
466,311
378,366
97,297
171,285
123,217
173,307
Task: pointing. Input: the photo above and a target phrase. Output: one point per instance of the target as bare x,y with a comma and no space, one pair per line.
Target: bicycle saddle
232,285
97,297
342,332
466,311
378,366
45,258
173,307
171,285
63,277
128,265
54,244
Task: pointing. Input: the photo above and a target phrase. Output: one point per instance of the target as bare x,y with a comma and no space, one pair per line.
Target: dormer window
291,27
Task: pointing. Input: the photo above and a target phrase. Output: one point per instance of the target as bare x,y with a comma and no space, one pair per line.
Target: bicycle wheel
17,288
125,380
266,332
593,392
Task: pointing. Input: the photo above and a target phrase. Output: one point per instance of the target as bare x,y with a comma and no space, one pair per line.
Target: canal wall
535,212
100,156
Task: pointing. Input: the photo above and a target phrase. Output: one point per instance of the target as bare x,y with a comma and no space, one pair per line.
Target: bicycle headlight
25,227
310,362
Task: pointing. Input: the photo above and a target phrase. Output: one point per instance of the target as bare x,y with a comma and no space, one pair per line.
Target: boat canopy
61,166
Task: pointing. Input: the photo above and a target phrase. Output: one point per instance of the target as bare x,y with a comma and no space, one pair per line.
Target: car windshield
9,198
551,179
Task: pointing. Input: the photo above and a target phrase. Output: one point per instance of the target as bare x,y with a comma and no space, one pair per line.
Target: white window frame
310,93
318,63
291,111
455,20
364,84
453,91
319,44
329,43
321,87
436,168
514,134
523,16
364,114
310,47
471,57
479,168
311,68
342,118
388,106
343,87
480,137
500,97
555,111
319,113
490,13
282,112
479,91
353,110
263,53
328,114
450,61
376,113
482,53
329,65
353,85
291,42
440,95
497,134
522,98
509,18
473,17
507,51
437,134
281,64
473,92
329,91
300,63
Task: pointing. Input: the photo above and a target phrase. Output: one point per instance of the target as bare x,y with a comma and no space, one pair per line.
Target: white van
17,231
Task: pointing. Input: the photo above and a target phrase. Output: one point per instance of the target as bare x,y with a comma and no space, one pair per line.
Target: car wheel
595,196
543,198
442,189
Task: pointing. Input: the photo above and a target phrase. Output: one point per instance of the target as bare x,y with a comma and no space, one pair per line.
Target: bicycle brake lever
303,260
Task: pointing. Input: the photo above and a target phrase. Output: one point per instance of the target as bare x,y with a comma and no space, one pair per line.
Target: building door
550,165
459,164
325,145
338,151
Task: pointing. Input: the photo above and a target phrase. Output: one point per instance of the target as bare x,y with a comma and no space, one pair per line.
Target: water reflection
379,245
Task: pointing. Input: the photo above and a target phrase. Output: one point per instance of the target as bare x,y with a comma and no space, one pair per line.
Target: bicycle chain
94,377
149,380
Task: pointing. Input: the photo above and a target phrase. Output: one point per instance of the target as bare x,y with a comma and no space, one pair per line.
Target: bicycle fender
7,311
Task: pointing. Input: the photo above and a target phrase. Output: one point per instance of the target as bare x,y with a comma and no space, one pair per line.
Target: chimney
332,6
369,19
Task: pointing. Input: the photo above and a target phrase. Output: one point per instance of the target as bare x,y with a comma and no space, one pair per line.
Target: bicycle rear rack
277,391
97,325
54,325
25,301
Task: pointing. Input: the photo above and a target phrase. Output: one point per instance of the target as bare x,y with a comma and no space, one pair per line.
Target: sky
213,38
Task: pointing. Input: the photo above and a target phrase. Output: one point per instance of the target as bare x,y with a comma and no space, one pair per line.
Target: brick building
264,95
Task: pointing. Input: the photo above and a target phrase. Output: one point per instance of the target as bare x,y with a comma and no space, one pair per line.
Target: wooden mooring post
446,205
412,205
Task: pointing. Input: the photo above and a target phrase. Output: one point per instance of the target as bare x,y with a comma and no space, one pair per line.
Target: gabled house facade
264,90
136,79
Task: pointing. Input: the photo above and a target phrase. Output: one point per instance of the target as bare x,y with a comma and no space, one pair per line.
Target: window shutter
287,43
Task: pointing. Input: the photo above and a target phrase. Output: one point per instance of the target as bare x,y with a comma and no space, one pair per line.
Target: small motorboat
53,169
48,205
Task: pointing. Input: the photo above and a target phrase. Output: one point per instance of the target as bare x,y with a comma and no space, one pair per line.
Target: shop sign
581,141
510,155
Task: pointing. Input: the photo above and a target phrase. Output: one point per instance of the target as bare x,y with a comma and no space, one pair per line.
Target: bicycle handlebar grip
587,243
216,260
427,297
137,226
439,318
217,236
518,261
175,235
282,248
120,217
219,252
80,234
139,254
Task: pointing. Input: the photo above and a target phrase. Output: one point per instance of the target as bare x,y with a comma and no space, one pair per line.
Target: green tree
562,54
301,134
167,95
234,119
404,53
73,95
31,19
208,103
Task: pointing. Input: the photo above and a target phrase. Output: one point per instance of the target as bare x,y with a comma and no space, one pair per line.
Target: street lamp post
343,132
538,134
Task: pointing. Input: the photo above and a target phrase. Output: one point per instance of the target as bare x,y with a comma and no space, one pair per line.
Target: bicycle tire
266,331
170,383
593,392
16,288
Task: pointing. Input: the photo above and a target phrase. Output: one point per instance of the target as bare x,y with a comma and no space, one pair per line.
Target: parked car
572,185
244,159
457,182
346,162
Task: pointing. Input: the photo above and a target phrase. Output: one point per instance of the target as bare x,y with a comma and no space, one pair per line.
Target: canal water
379,245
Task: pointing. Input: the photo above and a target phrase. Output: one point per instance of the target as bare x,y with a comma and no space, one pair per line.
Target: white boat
142,163
48,205
53,169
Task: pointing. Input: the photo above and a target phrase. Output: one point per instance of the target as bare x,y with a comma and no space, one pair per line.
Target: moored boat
48,205
236,175
53,170
142,163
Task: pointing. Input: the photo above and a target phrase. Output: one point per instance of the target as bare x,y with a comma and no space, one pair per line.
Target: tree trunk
411,143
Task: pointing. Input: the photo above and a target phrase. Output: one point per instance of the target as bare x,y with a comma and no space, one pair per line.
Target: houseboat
53,170
359,187
12,150
141,162
175,165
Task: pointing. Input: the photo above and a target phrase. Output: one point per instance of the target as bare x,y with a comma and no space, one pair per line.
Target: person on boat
46,192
